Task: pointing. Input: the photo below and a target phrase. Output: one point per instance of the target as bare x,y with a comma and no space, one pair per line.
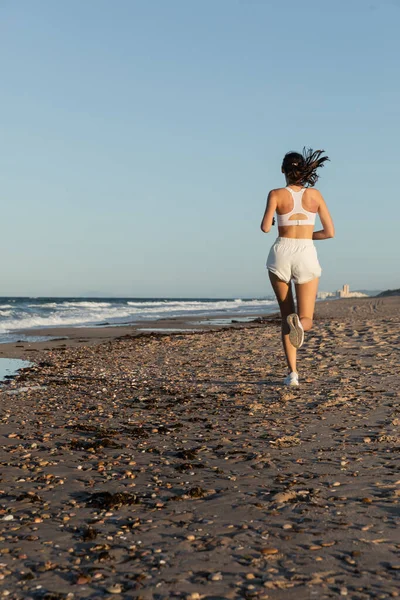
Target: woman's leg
284,295
306,294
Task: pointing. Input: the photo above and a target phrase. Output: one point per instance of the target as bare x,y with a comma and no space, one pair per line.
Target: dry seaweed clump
92,445
107,500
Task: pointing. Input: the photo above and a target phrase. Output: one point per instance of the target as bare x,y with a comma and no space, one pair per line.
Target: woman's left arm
268,218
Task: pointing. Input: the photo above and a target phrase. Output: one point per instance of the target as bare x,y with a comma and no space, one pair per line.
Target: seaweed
107,500
89,445
88,534
189,454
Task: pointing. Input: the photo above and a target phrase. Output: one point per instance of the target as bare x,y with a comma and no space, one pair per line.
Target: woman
293,255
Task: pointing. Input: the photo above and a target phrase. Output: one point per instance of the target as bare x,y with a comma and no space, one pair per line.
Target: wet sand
67,337
177,466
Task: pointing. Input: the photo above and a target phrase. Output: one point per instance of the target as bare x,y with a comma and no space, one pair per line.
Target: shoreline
73,336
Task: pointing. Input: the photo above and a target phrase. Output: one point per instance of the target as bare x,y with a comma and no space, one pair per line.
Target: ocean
17,313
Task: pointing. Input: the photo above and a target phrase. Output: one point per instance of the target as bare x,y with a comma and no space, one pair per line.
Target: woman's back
297,204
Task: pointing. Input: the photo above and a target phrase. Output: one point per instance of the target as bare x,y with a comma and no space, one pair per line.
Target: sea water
10,366
17,313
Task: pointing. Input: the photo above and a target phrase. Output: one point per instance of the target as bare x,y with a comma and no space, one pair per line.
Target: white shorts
294,259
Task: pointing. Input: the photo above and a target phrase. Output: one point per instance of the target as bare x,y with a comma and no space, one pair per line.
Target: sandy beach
178,466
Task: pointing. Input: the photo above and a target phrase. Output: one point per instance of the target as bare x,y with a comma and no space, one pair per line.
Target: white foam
85,304
88,312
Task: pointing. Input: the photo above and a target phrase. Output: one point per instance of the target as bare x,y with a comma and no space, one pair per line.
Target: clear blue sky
139,140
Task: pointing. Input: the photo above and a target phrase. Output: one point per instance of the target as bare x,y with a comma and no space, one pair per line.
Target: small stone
285,496
215,577
194,596
7,518
268,551
82,580
327,544
250,576
287,526
343,591
336,484
114,589
191,538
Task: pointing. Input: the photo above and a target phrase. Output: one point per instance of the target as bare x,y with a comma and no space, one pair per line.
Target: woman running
293,255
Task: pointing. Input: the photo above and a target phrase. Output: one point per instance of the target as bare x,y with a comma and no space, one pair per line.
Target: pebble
114,589
268,551
216,577
327,544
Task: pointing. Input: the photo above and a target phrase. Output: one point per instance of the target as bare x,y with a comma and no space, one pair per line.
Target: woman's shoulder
314,193
277,190
315,199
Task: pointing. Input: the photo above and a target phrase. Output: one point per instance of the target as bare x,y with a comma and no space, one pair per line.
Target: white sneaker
291,379
296,333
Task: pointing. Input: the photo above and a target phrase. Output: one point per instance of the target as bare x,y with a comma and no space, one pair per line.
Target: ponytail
301,169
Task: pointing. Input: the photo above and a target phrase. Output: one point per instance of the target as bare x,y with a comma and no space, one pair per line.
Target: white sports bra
284,220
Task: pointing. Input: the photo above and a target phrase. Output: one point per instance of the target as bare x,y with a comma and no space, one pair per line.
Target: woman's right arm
268,218
328,230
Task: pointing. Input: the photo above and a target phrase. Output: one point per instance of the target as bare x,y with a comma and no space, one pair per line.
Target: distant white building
346,293
343,293
324,295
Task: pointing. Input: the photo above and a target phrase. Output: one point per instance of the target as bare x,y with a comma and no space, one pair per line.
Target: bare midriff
296,232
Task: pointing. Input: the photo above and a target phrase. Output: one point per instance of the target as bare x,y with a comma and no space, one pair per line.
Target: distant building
324,295
343,293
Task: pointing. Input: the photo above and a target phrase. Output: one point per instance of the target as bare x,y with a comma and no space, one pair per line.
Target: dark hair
301,169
